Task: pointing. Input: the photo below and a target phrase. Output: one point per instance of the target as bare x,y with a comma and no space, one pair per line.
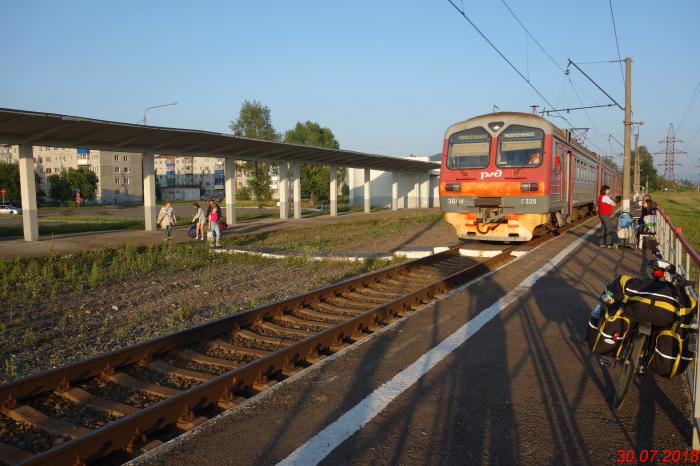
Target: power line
488,41
617,42
531,36
689,108
595,83
599,62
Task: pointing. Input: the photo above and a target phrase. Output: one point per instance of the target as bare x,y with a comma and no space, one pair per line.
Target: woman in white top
199,220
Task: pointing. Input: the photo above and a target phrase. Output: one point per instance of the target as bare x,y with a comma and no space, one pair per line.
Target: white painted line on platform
318,447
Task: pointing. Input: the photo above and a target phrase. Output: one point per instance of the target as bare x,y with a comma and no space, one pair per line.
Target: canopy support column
149,191
296,187
334,190
283,189
27,184
367,193
230,189
394,191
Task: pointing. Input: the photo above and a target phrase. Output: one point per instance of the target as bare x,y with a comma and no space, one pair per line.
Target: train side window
469,149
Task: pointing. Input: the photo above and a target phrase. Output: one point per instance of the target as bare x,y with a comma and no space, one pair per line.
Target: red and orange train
511,176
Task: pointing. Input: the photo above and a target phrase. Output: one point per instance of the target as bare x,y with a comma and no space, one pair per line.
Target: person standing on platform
199,220
605,211
214,217
166,219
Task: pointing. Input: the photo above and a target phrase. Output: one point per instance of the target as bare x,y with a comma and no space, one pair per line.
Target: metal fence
674,247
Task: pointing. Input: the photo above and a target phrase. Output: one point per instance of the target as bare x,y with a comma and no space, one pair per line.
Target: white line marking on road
318,447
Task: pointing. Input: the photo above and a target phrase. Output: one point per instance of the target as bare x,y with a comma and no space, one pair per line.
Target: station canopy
49,129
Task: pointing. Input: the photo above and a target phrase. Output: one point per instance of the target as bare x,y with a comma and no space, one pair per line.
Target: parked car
10,209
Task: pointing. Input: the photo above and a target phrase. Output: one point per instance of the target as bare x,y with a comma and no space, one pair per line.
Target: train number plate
528,201
455,201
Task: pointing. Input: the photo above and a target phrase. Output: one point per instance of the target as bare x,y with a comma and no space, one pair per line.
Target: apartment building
119,173
206,173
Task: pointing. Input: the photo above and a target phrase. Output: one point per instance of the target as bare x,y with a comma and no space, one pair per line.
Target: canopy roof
50,129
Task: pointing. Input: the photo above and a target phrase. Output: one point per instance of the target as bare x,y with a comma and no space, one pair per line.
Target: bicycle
635,355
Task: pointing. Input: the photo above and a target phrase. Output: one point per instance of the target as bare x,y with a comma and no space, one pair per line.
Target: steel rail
127,430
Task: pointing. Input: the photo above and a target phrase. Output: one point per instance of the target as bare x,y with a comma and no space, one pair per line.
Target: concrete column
283,188
425,191
367,193
27,185
394,191
296,188
334,190
230,189
416,191
150,204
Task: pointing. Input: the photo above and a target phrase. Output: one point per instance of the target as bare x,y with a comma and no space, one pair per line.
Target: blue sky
387,77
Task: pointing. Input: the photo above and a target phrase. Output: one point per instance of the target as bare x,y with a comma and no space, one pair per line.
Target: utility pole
628,136
636,165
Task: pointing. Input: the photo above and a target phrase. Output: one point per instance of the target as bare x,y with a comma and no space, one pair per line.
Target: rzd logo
496,174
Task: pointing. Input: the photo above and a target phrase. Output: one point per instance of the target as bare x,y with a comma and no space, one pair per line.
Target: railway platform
496,372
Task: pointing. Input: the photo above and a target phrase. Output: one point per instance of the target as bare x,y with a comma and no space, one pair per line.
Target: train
511,176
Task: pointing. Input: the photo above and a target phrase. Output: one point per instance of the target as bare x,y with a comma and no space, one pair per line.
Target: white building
414,189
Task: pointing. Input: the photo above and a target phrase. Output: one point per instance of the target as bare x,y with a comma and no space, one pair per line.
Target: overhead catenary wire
617,42
531,36
498,51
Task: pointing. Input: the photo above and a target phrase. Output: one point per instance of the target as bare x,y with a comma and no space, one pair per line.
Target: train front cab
507,177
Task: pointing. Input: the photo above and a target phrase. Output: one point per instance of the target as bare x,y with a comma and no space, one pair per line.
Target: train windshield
520,146
469,149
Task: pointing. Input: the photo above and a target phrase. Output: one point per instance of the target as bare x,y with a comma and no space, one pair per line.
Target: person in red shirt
605,211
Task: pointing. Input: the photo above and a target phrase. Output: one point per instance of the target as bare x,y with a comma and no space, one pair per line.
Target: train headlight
454,187
529,187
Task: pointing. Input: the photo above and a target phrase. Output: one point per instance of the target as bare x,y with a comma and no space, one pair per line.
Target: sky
387,77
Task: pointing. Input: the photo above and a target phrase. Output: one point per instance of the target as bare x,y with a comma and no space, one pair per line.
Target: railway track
118,405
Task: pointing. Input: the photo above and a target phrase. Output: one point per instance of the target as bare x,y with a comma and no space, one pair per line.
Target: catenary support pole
149,191
367,192
283,188
27,184
230,189
394,191
626,188
636,165
334,190
296,187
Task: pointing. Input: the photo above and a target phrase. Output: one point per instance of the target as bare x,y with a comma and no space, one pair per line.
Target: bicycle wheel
629,367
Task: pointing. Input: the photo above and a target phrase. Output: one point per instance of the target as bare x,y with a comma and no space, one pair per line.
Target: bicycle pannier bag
652,301
672,354
606,331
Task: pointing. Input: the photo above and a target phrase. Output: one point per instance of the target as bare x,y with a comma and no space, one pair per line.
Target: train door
570,170
556,181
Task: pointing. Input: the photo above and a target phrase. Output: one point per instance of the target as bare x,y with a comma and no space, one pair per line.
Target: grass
42,327
30,278
60,224
322,238
684,210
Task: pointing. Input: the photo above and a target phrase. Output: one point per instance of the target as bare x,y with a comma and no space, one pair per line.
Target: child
214,217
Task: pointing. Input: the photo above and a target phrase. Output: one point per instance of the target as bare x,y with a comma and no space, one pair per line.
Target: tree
315,179
9,180
609,162
84,179
60,189
254,122
647,170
